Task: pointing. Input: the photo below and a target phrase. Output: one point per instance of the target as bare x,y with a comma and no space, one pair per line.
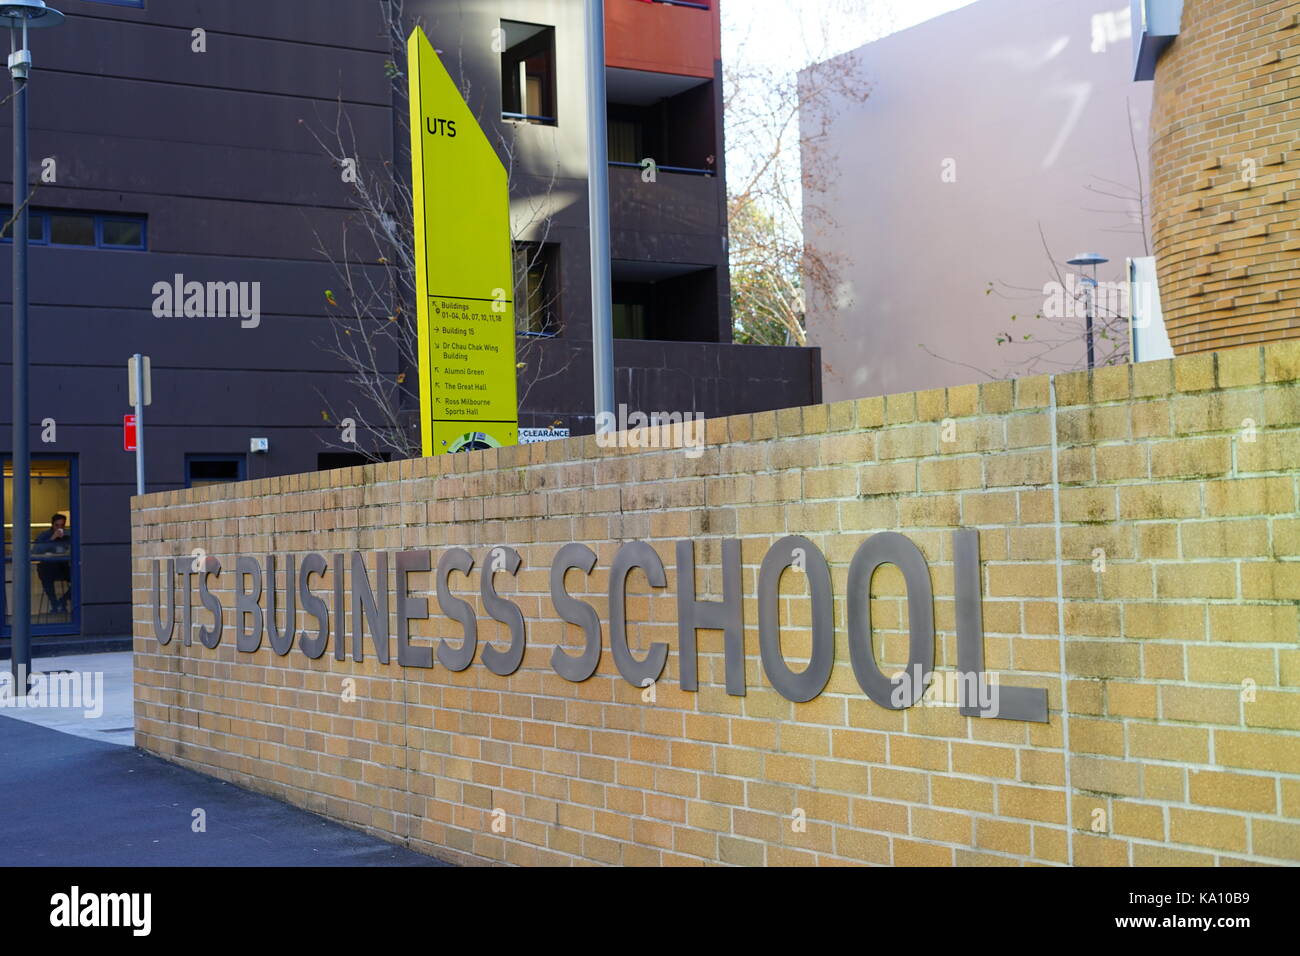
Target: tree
372,328
777,125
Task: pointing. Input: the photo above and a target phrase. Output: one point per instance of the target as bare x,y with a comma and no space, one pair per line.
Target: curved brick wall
1225,167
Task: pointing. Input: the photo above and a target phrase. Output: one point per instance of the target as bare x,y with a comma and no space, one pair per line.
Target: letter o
890,547
806,685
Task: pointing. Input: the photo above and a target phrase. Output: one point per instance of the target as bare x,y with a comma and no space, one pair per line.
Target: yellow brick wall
1168,643
1225,175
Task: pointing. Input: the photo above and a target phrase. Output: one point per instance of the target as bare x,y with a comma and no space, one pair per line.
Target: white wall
1014,93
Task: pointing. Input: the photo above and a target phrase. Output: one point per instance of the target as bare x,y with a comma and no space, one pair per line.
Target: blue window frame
54,489
120,3
76,229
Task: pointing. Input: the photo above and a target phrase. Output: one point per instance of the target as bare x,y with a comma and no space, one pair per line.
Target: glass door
55,547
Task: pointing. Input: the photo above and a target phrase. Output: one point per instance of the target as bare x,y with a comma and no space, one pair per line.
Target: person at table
54,541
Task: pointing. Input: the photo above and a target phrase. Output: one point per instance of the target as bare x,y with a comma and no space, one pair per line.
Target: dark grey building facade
172,143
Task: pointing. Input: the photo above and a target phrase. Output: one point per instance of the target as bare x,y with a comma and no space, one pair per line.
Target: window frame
240,460
45,216
553,326
545,39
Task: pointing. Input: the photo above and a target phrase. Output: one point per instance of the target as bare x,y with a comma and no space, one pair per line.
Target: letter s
313,647
210,637
459,658
504,663
575,669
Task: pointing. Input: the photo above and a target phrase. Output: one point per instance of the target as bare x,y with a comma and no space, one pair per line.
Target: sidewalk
114,725
77,794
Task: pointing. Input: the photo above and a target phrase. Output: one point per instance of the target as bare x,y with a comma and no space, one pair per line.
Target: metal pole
602,295
139,423
1092,304
22,506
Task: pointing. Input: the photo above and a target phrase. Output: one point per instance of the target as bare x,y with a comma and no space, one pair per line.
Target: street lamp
1090,259
21,16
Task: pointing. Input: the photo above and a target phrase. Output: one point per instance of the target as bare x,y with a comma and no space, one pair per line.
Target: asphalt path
70,801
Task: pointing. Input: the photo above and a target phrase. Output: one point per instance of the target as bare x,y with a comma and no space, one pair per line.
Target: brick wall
1160,616
1225,174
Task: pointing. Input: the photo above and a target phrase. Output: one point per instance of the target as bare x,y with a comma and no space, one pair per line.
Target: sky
790,34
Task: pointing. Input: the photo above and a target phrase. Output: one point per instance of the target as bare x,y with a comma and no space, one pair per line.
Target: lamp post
1090,259
21,15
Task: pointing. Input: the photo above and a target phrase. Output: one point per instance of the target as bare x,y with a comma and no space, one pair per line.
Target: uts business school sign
370,605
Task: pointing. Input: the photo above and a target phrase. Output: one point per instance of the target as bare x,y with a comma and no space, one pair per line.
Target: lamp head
1088,259
29,13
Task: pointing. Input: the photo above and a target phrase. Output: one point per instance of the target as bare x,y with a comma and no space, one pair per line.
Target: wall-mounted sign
531,436
371,598
464,269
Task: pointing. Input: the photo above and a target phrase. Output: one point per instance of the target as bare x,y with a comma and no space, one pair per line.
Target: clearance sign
464,273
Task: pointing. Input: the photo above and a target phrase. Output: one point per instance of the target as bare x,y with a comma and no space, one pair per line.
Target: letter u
158,627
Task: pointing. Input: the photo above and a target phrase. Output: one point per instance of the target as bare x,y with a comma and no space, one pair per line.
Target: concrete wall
1158,613
1013,93
1226,174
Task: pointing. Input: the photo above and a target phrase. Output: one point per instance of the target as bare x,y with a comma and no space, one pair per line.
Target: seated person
50,545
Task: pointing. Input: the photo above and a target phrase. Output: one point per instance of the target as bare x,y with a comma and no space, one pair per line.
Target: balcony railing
685,170
529,118
683,3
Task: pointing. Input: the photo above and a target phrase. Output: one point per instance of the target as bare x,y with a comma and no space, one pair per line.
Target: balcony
664,36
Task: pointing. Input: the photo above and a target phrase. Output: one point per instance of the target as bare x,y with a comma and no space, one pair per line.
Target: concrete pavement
76,793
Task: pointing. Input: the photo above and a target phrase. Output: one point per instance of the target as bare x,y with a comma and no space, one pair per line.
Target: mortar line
1060,624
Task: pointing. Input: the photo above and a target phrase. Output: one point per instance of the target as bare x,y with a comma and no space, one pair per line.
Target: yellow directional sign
463,267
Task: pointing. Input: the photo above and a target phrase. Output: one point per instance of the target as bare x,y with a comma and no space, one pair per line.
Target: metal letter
313,647
281,640
810,682
890,547
411,609
340,612
634,554
504,663
187,603
1011,703
575,669
158,630
210,637
365,608
727,615
459,658
246,604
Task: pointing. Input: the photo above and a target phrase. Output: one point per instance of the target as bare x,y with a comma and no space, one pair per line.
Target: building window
87,230
332,460
537,288
72,230
528,73
626,139
54,541
204,470
629,320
